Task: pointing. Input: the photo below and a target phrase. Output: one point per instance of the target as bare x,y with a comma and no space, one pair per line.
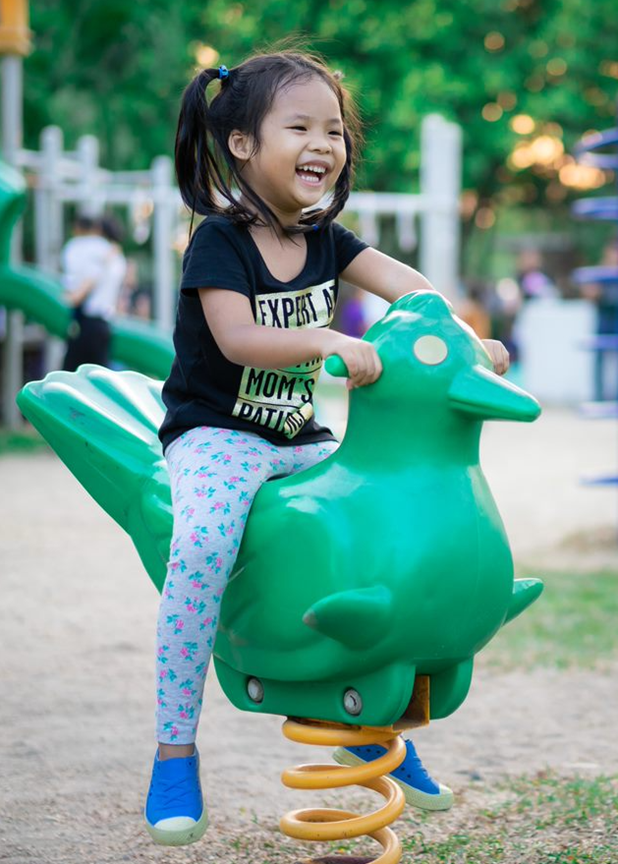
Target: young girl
258,291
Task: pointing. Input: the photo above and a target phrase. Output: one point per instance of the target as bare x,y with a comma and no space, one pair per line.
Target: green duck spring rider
394,568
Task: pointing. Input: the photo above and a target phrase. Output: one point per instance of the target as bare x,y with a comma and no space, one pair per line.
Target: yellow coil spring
327,824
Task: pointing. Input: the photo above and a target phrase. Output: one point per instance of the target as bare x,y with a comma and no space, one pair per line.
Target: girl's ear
240,144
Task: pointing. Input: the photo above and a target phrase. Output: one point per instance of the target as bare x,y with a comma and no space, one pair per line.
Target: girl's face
301,152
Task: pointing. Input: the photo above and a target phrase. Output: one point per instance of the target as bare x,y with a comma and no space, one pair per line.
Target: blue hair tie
314,227
224,72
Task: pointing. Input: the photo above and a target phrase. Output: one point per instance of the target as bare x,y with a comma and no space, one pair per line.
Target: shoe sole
179,838
423,800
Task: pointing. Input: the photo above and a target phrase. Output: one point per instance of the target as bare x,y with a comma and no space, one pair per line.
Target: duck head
433,361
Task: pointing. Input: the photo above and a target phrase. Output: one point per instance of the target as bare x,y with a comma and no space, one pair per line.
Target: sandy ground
77,633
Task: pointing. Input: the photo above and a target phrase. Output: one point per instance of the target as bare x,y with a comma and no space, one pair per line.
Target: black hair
85,223
111,229
205,166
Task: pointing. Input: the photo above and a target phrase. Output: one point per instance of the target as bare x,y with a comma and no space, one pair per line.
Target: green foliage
118,70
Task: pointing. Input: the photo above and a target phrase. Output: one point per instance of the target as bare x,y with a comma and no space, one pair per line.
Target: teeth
316,168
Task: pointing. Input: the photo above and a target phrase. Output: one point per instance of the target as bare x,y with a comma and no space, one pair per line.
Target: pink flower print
206,622
186,712
186,687
161,652
177,622
298,449
198,536
162,674
188,650
214,562
187,512
231,483
172,729
160,698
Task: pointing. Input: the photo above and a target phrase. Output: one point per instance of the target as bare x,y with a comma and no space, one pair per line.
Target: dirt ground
77,634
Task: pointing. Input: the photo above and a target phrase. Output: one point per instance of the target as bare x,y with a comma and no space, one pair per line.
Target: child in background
258,291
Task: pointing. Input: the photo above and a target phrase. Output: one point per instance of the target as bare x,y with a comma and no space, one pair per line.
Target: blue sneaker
175,812
419,788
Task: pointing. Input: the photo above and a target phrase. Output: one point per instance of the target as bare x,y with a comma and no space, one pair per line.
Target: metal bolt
255,689
352,702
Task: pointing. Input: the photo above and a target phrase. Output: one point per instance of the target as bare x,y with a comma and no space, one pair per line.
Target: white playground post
164,218
440,189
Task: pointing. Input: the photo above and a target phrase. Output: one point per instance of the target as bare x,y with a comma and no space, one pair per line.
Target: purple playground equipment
601,151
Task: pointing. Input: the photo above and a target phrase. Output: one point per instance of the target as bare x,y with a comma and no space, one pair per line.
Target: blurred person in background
94,268
472,309
533,282
605,297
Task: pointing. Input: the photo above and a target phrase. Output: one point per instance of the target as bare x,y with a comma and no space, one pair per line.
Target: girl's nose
321,145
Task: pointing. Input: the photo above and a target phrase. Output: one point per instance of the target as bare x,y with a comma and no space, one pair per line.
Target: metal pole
440,189
12,366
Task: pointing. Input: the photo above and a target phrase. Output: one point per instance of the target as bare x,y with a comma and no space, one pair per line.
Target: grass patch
23,441
544,819
572,624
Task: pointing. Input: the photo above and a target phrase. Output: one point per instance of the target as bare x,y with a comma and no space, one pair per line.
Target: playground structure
62,179
592,150
136,344
318,633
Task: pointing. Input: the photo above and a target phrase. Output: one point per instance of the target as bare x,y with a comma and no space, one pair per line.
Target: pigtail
197,137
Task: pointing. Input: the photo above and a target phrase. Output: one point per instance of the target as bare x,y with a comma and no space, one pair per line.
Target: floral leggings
214,475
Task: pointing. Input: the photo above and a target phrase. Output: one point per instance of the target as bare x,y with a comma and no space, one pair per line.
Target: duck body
388,560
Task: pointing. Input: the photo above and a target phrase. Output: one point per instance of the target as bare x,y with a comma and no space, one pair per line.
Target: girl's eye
336,132
299,128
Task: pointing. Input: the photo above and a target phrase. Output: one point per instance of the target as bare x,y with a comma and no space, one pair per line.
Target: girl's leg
214,475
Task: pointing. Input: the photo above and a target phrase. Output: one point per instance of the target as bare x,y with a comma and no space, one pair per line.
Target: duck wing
103,425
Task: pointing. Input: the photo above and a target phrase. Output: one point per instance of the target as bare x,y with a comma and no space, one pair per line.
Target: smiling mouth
312,175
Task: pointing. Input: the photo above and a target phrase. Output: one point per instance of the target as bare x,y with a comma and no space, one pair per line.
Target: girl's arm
390,279
384,276
246,343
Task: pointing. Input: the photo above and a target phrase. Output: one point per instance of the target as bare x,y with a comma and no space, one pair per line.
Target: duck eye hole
430,350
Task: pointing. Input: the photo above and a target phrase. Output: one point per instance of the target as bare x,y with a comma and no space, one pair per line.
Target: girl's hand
361,358
498,354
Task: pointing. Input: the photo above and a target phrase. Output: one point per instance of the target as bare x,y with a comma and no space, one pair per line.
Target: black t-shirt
204,388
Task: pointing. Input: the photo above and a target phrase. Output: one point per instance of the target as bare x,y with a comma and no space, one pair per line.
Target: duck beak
482,393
